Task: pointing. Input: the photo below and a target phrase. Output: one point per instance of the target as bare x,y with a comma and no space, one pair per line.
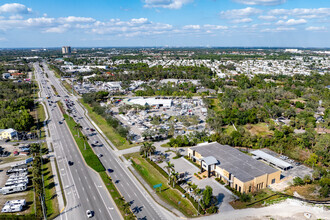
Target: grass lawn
260,129
229,129
91,159
120,142
152,176
215,105
116,196
55,91
50,191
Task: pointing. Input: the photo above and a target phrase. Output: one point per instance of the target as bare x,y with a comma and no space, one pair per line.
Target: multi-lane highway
83,188
142,204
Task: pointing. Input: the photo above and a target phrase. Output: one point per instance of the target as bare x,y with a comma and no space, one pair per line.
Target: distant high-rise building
66,50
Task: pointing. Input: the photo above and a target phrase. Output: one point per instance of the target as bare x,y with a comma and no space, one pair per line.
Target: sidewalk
52,162
154,194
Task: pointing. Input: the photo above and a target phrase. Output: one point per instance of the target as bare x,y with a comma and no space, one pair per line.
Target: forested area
21,68
169,89
298,99
141,71
16,102
94,99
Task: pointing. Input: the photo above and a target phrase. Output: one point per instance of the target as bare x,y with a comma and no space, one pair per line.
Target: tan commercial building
238,170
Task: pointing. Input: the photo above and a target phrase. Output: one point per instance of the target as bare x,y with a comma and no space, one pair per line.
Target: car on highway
70,163
92,129
89,213
96,142
100,155
60,122
87,129
110,170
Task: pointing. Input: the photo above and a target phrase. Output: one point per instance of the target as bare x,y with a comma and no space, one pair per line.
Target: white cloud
267,17
291,22
14,8
242,20
240,13
192,27
58,29
215,27
170,4
313,28
129,28
302,12
73,19
279,29
261,2
14,17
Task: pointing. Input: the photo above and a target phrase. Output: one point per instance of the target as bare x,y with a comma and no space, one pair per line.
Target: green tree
207,195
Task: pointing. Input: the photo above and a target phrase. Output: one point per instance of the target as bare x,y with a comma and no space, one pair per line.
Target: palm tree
143,150
175,177
85,138
78,127
127,207
169,167
151,149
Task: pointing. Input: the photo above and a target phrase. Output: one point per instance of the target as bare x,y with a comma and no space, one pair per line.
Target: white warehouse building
149,101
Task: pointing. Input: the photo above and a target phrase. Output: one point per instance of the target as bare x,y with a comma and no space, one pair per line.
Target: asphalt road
84,189
142,205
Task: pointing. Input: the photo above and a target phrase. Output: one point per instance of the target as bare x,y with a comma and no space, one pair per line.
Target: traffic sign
157,185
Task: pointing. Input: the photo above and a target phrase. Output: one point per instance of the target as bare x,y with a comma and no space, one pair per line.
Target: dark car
110,170
70,163
92,129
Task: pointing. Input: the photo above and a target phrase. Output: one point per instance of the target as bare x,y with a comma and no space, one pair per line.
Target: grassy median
91,159
152,176
120,142
50,191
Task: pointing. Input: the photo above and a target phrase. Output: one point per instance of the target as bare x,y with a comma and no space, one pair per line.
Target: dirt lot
11,148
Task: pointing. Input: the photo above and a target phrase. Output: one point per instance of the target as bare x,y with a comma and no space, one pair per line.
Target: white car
89,213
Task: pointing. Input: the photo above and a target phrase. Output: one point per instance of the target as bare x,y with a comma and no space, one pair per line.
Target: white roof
151,101
210,160
278,162
9,130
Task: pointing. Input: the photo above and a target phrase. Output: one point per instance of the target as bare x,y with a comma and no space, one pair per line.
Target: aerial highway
143,206
83,188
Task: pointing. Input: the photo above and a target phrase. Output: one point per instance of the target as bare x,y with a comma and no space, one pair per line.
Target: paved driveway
223,195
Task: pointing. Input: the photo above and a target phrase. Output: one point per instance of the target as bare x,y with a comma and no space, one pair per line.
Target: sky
173,23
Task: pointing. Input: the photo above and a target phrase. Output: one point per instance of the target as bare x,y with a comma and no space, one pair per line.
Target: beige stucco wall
265,179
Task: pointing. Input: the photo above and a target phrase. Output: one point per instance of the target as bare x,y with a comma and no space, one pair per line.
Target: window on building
235,186
239,189
273,181
249,188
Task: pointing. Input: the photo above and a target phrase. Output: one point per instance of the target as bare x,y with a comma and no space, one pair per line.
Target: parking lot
181,165
155,121
297,169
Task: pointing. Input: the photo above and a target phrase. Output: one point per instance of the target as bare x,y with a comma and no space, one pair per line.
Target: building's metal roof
271,159
241,165
210,160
